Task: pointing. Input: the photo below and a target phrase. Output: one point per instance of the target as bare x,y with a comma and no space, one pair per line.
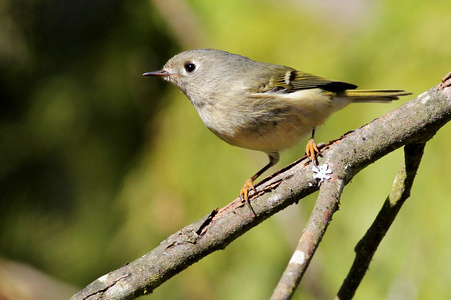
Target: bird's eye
190,67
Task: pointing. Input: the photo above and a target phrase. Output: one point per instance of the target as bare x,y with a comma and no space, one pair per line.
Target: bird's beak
160,73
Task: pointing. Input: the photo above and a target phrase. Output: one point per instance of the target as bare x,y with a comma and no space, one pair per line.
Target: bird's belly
268,124
271,136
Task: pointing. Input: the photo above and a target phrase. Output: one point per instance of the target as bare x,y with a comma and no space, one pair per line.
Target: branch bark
416,121
367,246
326,205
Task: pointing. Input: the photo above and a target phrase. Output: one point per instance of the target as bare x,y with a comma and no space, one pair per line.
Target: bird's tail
374,95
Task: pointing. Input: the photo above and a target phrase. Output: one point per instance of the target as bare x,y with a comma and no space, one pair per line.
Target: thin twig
367,246
326,205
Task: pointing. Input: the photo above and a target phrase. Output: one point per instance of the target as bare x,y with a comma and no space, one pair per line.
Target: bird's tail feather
374,95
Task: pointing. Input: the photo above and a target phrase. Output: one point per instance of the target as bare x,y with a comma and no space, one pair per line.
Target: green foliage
99,164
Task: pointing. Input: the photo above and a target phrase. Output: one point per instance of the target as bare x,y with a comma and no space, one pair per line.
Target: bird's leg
249,184
311,149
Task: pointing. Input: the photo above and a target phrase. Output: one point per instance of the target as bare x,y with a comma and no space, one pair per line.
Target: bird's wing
291,81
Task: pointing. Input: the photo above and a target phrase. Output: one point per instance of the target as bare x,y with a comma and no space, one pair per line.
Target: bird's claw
312,151
244,194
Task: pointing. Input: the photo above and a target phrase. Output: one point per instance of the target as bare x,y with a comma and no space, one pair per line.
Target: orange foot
244,194
312,150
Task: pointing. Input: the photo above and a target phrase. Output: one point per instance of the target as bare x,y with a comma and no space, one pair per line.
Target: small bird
260,106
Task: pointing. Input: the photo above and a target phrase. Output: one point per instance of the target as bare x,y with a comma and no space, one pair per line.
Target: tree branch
416,121
367,246
326,205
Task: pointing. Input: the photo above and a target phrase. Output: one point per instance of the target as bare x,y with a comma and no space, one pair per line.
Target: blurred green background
98,164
